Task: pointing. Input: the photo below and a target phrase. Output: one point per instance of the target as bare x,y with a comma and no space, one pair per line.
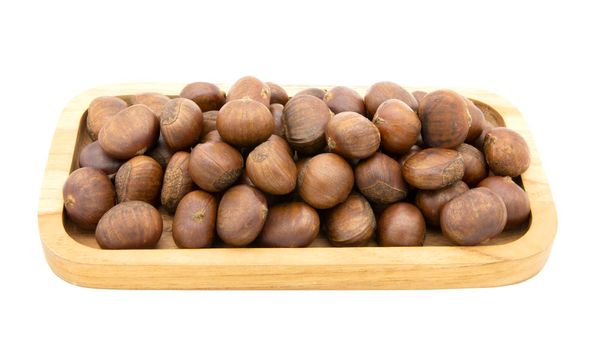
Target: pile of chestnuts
254,167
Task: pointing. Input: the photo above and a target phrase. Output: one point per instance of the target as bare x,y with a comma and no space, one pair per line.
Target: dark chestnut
433,168
101,110
181,124
93,156
290,225
379,178
343,99
160,152
304,119
278,94
400,225
473,217
445,119
325,180
475,165
88,194
252,88
194,221
277,113
177,181
139,179
130,225
385,90
352,135
513,196
214,166
506,152
398,125
245,122
431,202
351,223
271,168
206,95
241,216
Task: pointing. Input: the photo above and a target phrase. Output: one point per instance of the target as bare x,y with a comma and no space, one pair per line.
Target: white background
541,57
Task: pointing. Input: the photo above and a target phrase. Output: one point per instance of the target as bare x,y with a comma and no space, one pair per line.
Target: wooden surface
74,255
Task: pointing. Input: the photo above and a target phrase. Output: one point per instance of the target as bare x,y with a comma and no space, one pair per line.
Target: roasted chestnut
177,181
506,152
398,125
181,124
352,135
380,92
290,225
241,215
245,122
271,168
88,194
139,179
445,119
513,196
215,165
433,168
101,110
379,178
206,95
325,180
194,221
130,225
343,99
431,202
252,88
401,224
351,223
304,120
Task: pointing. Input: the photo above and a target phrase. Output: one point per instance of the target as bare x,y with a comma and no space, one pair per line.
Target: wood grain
73,254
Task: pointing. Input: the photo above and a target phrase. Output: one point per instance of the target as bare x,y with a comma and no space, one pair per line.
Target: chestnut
385,90
271,168
379,178
433,168
343,99
181,124
473,217
215,165
418,94
276,110
154,101
212,136
209,122
139,179
411,152
401,225
513,196
88,194
304,119
475,165
241,215
206,95
290,225
398,125
476,121
101,110
245,122
352,135
252,88
93,156
506,152
278,94
130,132
315,92
351,223
325,180
478,142
431,202
445,119
177,181
160,152
130,225
194,220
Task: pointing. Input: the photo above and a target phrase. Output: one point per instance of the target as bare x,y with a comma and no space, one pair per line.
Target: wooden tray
74,256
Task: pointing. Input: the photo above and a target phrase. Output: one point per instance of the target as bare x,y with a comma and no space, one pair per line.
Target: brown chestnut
398,125
315,92
93,156
177,181
209,122
343,99
212,136
194,220
478,142
325,180
154,101
351,223
241,216
475,165
431,202
130,132
278,94
379,178
181,124
401,225
290,225
245,122
385,90
352,135
101,110
433,168
304,119
139,179
476,121
130,225
214,166
252,88
506,152
277,113
513,196
419,95
473,217
206,95
411,152
160,152
88,194
271,168
445,119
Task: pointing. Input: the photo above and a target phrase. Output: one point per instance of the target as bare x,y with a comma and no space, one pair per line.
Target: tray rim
288,268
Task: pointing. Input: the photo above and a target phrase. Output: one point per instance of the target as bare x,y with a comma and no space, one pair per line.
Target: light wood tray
74,255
